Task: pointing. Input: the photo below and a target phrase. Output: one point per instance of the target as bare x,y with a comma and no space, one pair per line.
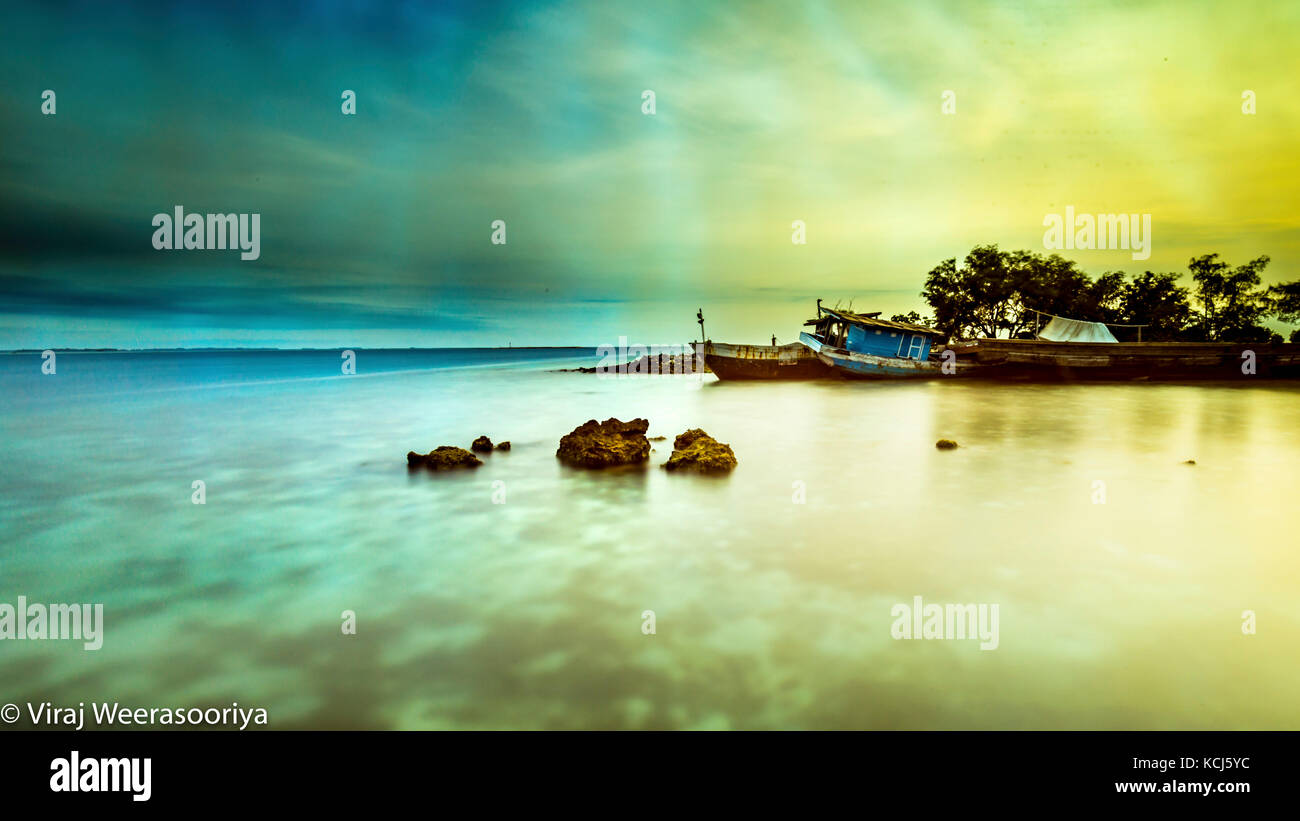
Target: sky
376,228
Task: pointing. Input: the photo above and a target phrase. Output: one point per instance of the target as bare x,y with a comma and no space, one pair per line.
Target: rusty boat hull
742,362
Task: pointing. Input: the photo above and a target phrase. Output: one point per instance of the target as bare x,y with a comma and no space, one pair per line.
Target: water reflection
772,588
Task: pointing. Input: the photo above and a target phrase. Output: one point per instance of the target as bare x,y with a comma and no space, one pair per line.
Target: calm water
769,613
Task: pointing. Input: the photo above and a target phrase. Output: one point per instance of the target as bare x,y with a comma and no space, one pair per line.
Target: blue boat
868,347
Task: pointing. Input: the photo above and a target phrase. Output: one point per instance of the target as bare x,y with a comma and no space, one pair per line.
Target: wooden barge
1031,359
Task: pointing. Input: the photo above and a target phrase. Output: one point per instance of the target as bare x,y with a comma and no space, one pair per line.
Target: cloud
767,112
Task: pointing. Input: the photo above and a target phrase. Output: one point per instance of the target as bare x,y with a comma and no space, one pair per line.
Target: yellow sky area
834,117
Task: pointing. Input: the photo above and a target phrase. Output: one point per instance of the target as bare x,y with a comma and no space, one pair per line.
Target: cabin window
918,345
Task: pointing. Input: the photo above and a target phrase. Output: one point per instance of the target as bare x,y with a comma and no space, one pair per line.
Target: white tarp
1061,329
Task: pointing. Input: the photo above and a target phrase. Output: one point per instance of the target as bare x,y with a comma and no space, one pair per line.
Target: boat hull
738,362
1026,359
867,366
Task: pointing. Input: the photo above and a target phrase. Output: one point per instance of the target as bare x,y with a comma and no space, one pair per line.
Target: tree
1284,301
1106,297
1159,302
994,279
1047,284
914,318
947,292
996,294
1231,301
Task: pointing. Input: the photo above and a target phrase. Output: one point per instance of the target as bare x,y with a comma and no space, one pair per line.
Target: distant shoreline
297,350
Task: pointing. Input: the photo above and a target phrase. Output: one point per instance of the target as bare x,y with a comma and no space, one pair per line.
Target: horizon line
209,348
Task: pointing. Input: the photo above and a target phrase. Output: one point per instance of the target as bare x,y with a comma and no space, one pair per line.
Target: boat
1074,349
864,346
792,361
1030,359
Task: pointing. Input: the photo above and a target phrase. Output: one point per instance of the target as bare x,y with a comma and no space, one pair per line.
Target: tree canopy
995,293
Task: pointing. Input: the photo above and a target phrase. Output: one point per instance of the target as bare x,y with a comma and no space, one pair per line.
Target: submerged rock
481,445
503,445
443,458
605,444
696,450
945,444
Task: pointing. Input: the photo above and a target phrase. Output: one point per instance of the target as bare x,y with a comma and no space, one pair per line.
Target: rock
503,445
481,445
604,444
945,444
684,440
696,450
443,458
1190,462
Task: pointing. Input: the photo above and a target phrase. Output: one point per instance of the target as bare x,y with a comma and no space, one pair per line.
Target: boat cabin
871,335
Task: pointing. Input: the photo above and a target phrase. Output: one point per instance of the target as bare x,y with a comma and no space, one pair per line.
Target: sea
249,525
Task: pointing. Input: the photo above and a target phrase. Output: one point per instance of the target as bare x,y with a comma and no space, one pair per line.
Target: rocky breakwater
656,364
